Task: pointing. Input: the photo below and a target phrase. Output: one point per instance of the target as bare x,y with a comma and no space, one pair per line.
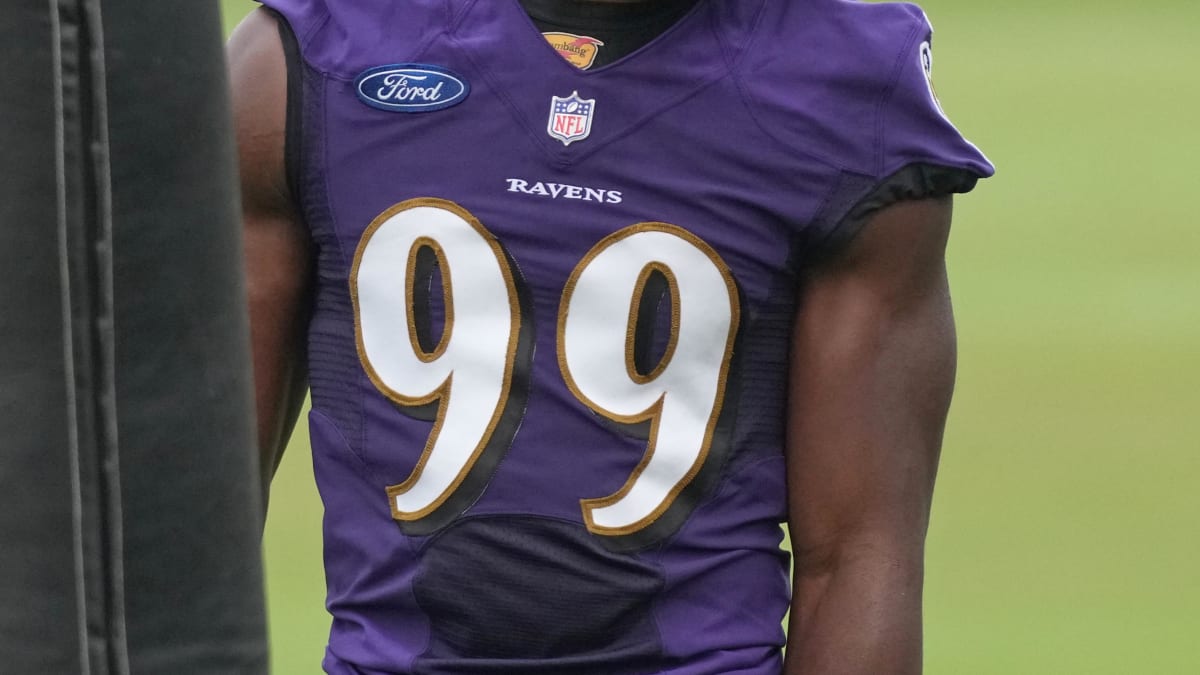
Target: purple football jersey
549,343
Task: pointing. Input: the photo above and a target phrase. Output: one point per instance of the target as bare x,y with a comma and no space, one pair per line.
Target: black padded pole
130,538
41,622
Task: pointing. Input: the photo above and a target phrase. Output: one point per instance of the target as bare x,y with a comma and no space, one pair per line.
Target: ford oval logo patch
411,88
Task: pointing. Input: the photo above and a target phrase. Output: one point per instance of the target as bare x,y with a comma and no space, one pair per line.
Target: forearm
277,318
855,612
278,406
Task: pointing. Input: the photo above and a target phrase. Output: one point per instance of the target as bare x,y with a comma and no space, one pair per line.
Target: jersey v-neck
527,73
619,28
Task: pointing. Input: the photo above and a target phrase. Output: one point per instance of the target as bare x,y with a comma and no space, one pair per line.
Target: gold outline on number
631,331
652,412
394,491
410,282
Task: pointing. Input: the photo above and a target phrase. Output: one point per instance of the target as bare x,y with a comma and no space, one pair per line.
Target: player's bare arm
278,264
871,379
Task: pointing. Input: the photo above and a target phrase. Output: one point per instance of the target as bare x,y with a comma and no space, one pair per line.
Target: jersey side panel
862,101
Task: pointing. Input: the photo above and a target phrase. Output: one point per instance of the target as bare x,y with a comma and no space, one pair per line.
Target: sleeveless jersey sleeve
304,17
919,153
341,38
913,127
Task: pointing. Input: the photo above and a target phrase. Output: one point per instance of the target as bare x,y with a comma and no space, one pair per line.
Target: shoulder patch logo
927,67
579,50
571,118
411,88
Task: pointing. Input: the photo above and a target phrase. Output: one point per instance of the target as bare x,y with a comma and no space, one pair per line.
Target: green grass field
1066,531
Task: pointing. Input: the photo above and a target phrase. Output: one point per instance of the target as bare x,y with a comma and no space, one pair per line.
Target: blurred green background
1066,529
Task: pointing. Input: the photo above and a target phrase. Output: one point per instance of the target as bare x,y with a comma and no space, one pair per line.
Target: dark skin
872,373
279,263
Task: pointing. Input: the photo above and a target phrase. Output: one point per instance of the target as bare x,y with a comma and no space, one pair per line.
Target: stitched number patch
468,373
682,395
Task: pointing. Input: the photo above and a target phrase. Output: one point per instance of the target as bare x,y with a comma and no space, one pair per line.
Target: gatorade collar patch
579,50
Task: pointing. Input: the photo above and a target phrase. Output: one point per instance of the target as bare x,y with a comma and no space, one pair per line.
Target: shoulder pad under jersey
849,83
344,37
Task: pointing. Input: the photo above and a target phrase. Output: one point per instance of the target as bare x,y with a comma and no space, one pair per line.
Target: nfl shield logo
570,118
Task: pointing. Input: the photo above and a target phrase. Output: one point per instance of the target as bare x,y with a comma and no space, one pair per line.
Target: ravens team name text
561,190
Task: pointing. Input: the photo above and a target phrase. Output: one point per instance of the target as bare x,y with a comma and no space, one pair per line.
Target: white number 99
470,373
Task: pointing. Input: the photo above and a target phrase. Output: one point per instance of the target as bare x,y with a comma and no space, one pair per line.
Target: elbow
880,555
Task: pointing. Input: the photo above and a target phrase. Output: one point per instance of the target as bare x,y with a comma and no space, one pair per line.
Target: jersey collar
526,73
